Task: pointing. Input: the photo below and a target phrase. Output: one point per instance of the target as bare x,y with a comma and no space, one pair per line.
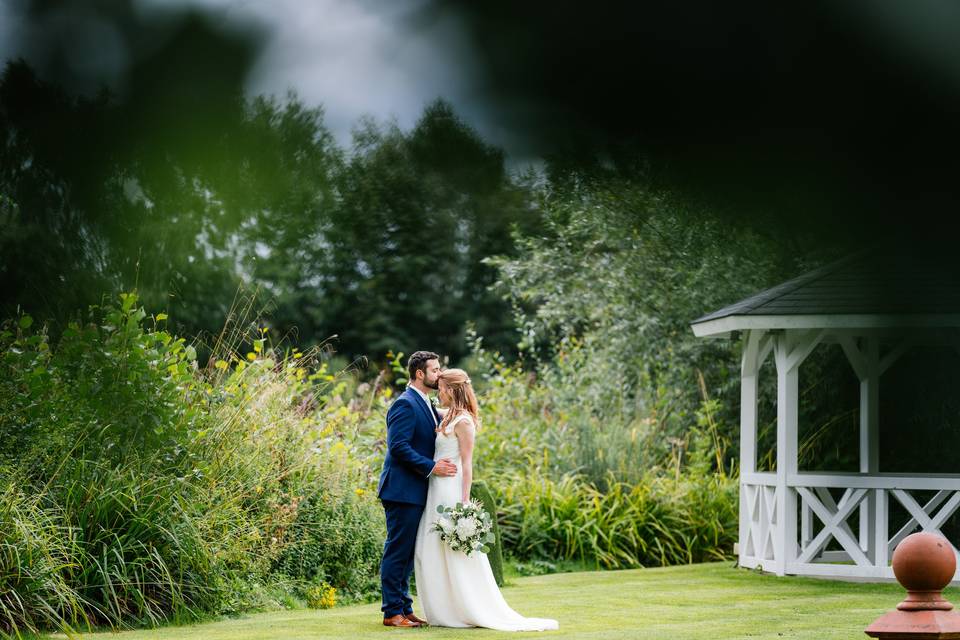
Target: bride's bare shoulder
464,421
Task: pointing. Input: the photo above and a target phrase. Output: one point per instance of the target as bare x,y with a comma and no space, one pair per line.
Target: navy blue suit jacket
411,441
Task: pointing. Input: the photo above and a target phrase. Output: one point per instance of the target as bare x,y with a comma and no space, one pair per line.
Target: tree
616,274
402,262
383,246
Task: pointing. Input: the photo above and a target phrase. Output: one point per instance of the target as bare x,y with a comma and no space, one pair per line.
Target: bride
457,590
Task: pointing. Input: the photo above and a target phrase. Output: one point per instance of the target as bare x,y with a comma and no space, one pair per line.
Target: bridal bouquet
465,527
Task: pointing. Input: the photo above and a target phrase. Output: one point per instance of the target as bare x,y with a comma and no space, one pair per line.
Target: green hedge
480,491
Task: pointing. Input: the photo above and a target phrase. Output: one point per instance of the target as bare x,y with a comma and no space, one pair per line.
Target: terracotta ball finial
924,563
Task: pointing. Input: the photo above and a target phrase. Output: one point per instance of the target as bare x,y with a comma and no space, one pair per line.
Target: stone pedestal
924,563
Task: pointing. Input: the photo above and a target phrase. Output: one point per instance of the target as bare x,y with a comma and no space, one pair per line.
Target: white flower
446,525
466,527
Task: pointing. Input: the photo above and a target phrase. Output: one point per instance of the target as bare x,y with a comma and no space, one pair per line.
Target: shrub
336,539
480,491
534,568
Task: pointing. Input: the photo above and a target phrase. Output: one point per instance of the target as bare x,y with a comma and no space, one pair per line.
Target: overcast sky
390,58
354,58
812,109
385,59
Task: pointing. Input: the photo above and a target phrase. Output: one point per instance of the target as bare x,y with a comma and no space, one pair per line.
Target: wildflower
321,596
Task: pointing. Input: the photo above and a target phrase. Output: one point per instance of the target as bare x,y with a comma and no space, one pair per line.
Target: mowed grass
709,601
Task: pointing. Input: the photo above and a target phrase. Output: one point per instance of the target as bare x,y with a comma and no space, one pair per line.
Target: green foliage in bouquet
465,527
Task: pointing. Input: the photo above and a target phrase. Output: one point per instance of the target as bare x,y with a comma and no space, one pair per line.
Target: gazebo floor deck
708,601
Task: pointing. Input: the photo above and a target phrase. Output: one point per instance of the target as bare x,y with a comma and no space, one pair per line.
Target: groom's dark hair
418,362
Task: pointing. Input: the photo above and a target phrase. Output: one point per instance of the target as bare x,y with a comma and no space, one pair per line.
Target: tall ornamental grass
35,557
658,522
152,487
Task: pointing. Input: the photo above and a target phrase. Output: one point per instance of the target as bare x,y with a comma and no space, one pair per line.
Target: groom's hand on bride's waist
444,468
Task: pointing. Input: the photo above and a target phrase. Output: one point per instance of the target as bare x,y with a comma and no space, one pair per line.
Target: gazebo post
865,360
749,367
870,445
787,400
790,350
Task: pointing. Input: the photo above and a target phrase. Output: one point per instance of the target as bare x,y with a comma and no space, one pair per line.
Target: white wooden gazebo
875,307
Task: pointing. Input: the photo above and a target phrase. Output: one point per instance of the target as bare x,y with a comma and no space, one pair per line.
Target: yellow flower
321,596
359,492
251,356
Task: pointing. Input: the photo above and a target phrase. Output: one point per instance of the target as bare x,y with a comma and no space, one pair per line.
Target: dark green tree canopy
382,245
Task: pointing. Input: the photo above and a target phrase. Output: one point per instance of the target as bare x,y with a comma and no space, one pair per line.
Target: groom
411,436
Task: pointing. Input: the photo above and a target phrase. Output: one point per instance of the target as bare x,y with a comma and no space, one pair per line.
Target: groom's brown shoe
400,621
413,616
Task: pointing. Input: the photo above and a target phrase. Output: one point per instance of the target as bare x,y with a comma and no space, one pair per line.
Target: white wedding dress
456,590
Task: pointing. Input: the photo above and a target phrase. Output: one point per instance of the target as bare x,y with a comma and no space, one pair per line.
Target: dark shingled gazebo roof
883,287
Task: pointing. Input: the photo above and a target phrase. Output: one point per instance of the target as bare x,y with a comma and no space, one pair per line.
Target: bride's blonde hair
462,398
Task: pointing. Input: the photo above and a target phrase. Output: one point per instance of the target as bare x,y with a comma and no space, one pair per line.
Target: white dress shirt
426,399
430,410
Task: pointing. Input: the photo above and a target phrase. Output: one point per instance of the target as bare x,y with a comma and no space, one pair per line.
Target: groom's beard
435,385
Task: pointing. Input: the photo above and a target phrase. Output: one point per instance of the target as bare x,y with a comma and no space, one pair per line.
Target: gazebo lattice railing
799,523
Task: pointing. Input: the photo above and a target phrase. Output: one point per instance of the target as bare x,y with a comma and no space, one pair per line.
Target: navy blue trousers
402,522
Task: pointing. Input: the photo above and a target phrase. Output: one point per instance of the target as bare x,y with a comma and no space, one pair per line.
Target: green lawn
710,601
